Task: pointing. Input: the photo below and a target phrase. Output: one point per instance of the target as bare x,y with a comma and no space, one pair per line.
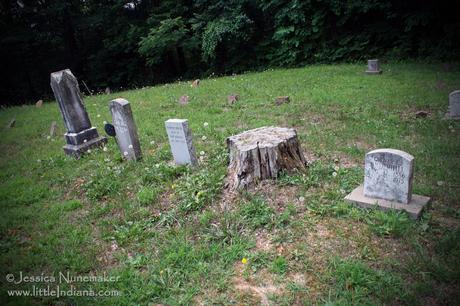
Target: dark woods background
128,44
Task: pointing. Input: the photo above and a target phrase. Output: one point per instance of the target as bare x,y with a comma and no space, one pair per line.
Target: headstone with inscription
80,136
373,67
454,105
125,129
180,140
388,175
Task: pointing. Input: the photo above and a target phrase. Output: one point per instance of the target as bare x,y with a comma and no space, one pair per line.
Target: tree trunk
262,154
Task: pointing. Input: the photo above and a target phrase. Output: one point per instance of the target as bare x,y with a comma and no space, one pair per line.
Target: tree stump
262,153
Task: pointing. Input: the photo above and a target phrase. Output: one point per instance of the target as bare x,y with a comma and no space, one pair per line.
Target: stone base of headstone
449,116
79,143
373,72
413,208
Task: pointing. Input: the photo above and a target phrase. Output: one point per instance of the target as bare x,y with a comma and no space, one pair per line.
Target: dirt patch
259,291
263,241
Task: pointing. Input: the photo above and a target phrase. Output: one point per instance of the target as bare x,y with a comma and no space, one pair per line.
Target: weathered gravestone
80,136
180,140
454,105
12,123
373,67
388,175
39,103
53,129
183,100
282,100
195,83
125,128
262,153
231,99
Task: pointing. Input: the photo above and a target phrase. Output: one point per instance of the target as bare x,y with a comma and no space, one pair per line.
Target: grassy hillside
174,235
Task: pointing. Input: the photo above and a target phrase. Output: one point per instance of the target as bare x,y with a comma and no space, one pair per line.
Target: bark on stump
262,153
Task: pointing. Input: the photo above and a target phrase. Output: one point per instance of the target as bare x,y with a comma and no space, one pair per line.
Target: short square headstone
180,140
282,100
195,83
454,105
39,103
388,175
183,100
80,136
125,128
373,67
231,99
12,123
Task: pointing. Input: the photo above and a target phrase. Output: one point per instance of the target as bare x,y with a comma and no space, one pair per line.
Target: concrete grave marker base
413,208
79,149
373,72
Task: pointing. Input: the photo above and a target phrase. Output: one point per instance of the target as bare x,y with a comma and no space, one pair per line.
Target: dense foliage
119,43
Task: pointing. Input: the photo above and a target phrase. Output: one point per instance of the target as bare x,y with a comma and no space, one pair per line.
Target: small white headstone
180,140
388,175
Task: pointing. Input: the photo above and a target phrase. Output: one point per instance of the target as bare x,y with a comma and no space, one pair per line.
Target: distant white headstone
454,105
180,140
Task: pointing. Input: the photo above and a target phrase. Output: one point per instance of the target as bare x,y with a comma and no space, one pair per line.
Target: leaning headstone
39,103
125,128
108,91
183,100
231,99
180,140
12,123
454,105
53,129
373,67
282,100
80,136
388,175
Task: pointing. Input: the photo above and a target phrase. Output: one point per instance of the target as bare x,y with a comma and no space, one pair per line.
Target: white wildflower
202,153
204,138
334,174
205,124
125,153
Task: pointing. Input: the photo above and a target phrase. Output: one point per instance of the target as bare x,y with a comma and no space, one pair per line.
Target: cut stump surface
262,153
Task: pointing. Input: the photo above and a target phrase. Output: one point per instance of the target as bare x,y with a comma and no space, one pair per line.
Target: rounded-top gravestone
454,105
388,175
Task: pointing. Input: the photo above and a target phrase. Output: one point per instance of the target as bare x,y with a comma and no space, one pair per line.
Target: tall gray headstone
180,140
125,128
80,136
373,67
388,175
454,105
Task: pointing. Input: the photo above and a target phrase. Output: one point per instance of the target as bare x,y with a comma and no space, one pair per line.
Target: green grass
173,235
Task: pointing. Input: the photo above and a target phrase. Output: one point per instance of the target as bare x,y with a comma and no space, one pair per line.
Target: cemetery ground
175,235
